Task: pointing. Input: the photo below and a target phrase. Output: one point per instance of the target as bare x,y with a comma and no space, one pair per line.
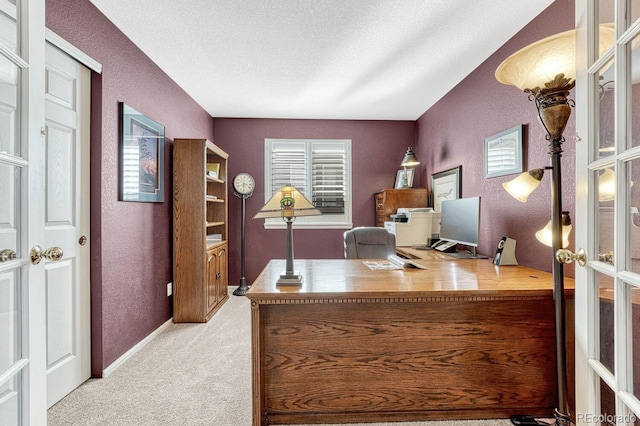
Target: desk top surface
444,277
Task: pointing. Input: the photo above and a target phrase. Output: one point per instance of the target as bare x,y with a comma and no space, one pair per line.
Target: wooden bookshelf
200,251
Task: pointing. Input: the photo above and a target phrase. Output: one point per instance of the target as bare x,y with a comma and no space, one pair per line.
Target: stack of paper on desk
394,262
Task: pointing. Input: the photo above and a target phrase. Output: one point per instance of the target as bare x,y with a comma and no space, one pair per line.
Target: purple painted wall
377,150
131,243
452,133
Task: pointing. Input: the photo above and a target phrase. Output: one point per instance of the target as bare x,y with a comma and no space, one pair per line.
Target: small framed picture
400,179
213,170
446,185
141,157
503,153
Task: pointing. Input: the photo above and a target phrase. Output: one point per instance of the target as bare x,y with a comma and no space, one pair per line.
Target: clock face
243,183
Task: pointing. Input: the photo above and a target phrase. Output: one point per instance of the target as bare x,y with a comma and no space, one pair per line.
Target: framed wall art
446,185
141,157
400,179
503,153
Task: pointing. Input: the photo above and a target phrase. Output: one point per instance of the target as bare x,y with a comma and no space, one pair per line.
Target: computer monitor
460,223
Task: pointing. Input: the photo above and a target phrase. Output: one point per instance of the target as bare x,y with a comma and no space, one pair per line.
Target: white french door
22,301
608,223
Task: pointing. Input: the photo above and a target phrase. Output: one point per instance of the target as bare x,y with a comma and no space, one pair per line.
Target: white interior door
22,334
66,223
608,199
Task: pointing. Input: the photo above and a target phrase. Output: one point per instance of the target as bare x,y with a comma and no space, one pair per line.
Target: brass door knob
7,255
52,253
567,256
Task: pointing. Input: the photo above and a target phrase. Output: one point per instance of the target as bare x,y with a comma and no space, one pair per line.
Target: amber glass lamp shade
521,187
546,70
539,63
545,235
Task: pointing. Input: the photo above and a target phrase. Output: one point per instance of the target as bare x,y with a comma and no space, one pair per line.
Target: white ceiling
321,59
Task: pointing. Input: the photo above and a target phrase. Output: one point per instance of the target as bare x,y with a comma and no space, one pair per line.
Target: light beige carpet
190,374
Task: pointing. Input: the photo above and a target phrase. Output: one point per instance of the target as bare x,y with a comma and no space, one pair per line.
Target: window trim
344,221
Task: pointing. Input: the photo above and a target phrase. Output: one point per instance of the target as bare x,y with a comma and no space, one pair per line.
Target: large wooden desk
461,340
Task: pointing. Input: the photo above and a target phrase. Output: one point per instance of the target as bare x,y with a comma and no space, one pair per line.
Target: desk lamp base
290,279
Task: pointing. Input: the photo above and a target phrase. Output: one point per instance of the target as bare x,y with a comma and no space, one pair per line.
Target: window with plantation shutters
319,169
328,170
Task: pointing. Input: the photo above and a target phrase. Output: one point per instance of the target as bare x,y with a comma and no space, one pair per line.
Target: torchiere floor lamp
546,70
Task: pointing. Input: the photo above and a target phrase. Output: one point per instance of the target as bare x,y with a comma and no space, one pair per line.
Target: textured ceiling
324,59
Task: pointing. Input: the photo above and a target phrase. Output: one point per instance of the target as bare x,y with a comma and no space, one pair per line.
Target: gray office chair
369,243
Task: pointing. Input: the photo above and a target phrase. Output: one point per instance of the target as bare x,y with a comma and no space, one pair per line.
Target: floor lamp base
562,419
242,290
526,420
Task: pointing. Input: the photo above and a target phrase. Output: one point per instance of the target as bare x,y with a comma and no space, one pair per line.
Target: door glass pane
634,128
635,10
606,194
606,11
10,401
9,114
627,419
9,25
606,119
635,333
9,212
606,316
10,321
607,405
633,221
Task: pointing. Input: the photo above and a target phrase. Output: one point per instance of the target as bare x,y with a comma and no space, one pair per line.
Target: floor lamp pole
562,412
554,109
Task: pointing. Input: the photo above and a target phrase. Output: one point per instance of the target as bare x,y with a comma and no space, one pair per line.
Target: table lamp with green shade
288,203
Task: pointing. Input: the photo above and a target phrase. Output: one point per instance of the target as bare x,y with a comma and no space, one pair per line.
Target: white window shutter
328,178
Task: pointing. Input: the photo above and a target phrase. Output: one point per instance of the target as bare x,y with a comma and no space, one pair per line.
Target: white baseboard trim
141,344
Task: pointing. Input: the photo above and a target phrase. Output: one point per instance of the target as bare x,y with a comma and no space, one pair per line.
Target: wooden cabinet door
223,280
212,278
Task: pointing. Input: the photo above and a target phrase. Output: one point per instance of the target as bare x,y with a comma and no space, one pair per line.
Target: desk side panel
257,411
408,361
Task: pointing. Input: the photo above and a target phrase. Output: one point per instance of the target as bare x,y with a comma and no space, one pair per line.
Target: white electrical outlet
169,289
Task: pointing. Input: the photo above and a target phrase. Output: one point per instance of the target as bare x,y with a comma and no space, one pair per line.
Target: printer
414,226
